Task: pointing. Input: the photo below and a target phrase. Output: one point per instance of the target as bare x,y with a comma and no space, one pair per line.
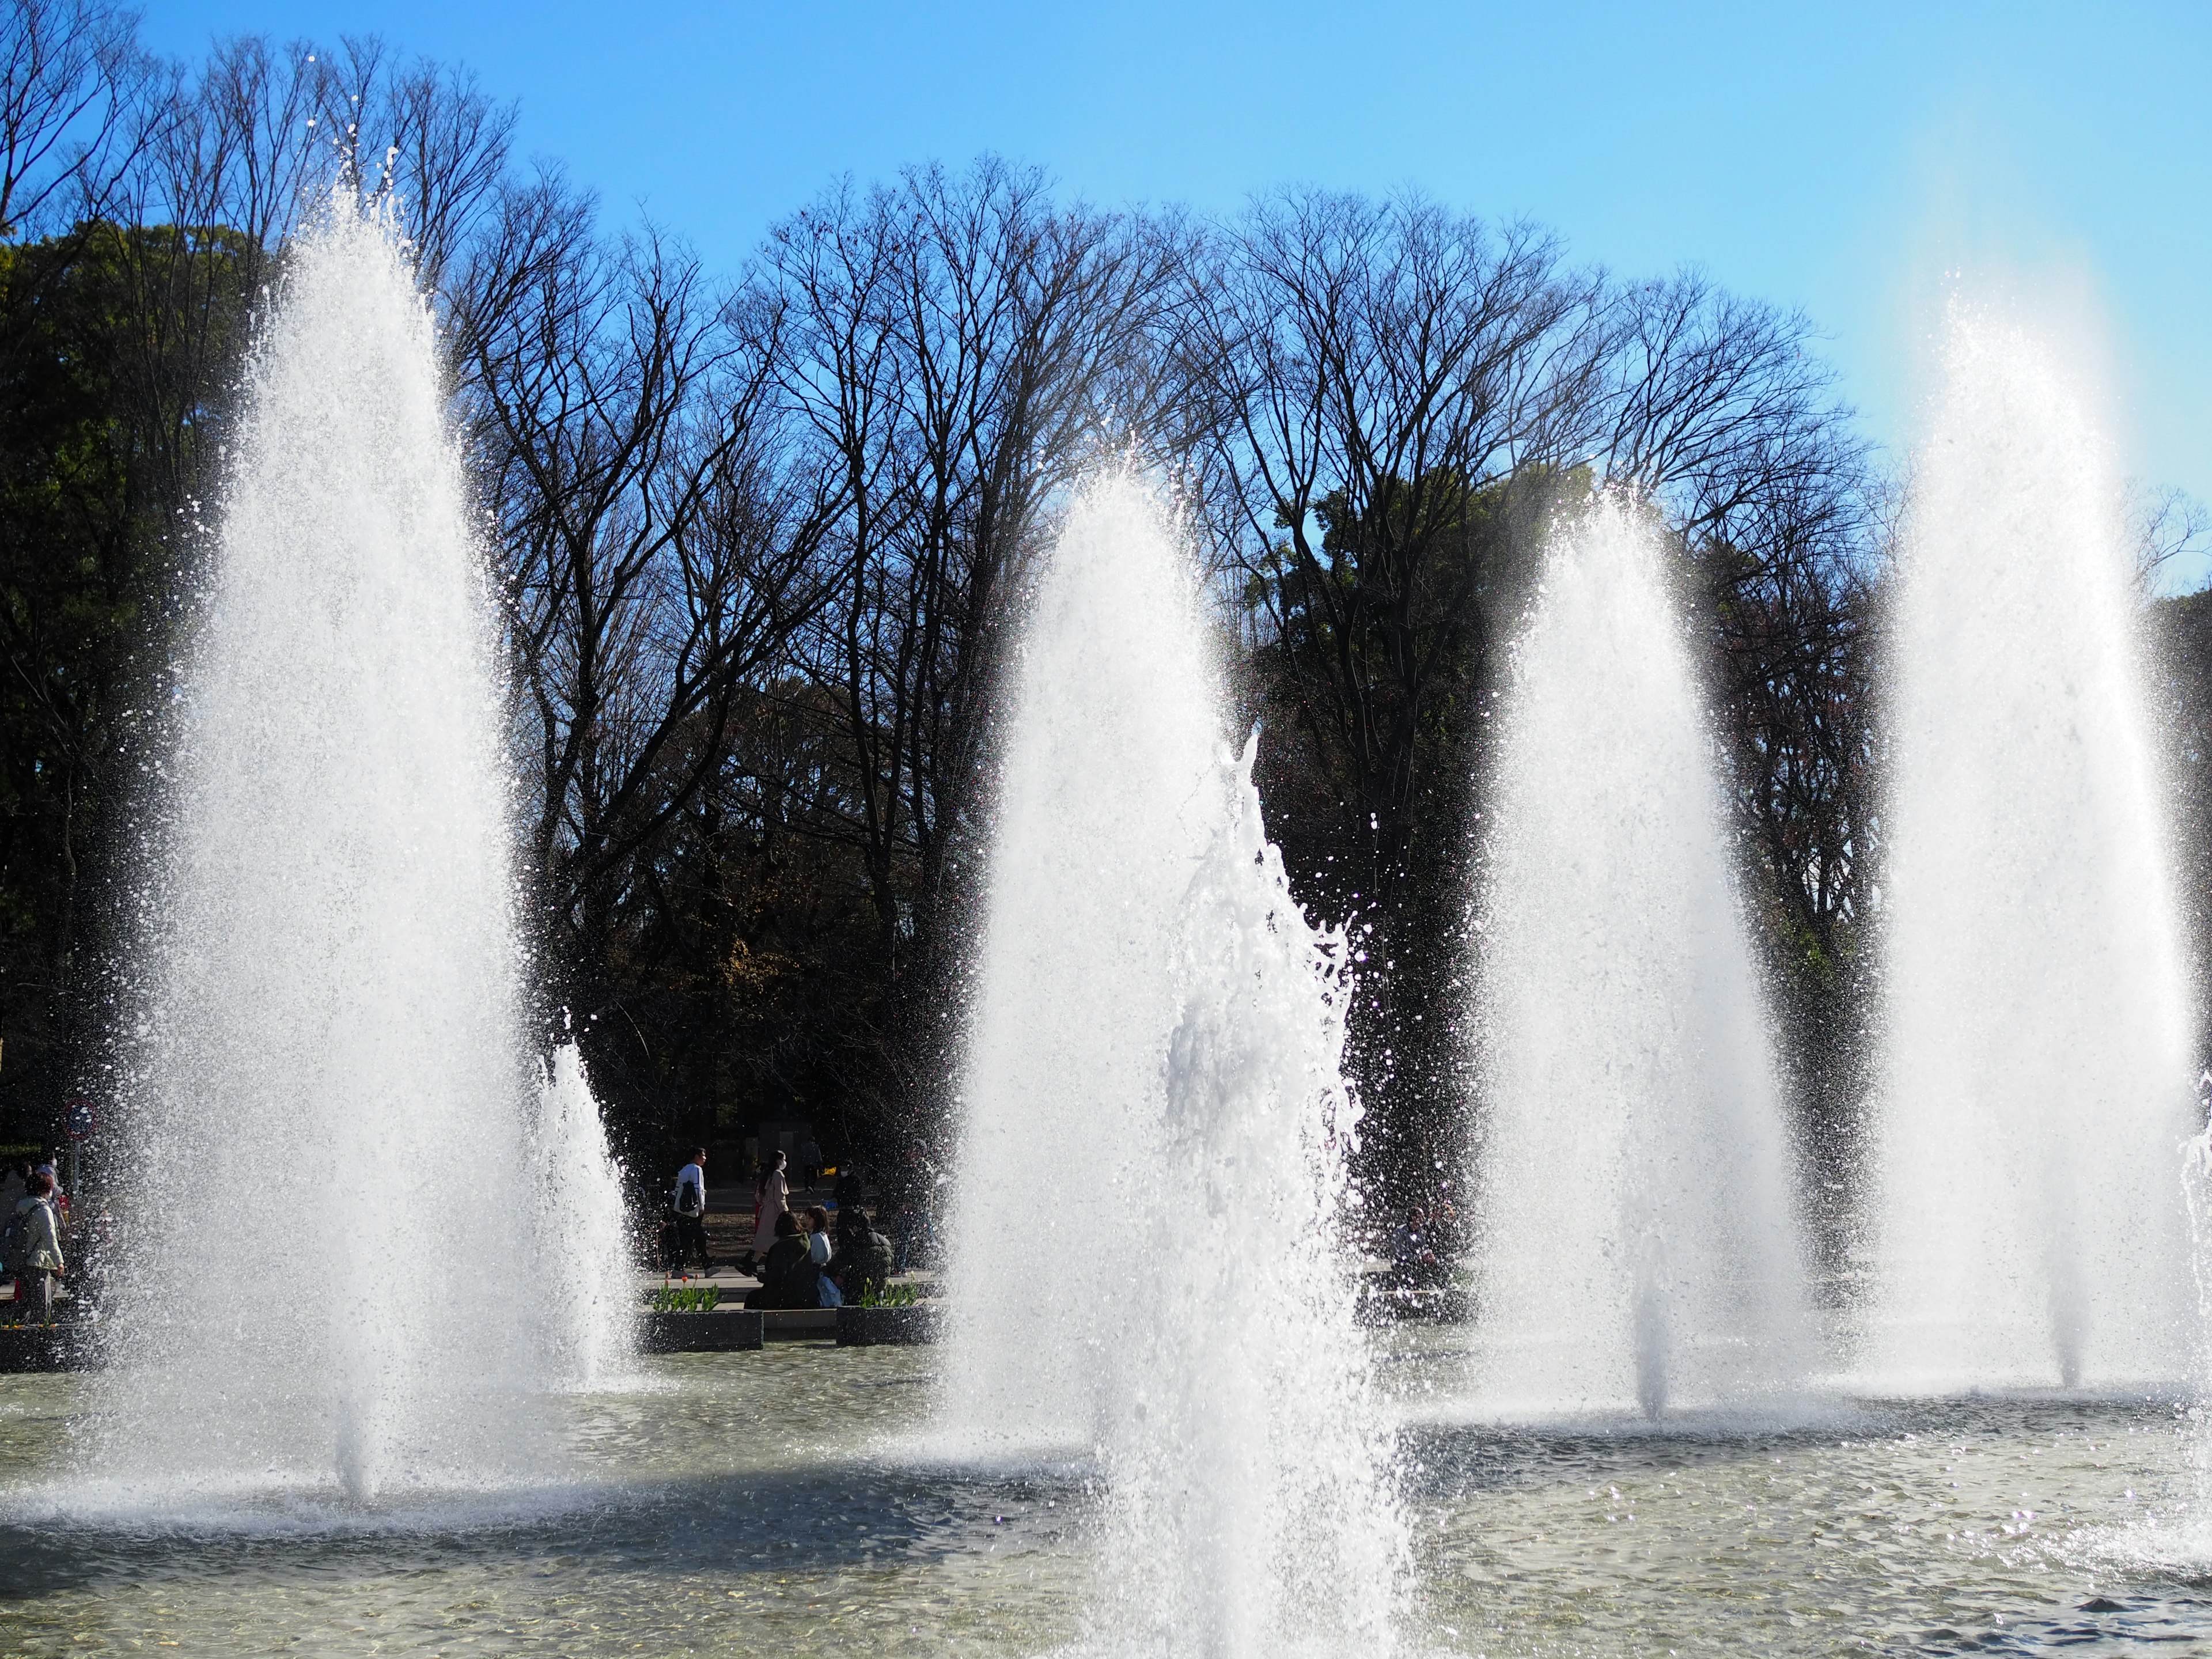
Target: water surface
747,1502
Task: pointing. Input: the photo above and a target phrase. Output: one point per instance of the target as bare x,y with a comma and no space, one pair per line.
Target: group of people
802,1269
31,1228
792,1253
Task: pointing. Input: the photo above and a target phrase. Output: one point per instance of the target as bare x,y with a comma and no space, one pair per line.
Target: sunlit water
1635,1243
2038,1032
327,994
1153,1066
763,1503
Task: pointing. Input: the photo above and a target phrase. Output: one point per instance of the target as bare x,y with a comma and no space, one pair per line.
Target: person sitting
850,1192
788,1277
863,1261
897,1225
818,1247
1414,1262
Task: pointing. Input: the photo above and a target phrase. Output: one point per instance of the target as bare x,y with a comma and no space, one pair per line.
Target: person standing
690,1204
774,1197
56,1195
38,1243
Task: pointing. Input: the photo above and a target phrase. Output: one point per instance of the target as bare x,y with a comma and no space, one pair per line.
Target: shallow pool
771,1502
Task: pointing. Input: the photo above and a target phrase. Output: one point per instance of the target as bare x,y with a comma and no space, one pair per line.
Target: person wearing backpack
863,1261
690,1204
34,1248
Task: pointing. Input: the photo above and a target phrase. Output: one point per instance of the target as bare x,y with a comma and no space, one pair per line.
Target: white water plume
1146,1265
2036,1066
1636,1247
334,1199
591,1269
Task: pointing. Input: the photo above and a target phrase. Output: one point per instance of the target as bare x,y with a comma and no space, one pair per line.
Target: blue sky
1840,158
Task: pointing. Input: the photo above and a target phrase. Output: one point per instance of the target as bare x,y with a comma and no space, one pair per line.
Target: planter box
723,1331
44,1348
799,1323
878,1328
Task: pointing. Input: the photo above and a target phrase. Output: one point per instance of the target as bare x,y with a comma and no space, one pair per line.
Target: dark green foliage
686,1299
113,341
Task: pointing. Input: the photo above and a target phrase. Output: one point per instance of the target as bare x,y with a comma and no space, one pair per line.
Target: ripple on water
759,1501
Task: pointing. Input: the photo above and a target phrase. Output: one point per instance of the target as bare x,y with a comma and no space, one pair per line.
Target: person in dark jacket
863,1261
789,1276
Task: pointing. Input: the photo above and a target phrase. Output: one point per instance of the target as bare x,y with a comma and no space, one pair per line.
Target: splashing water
1146,1267
1636,1247
591,1269
1110,788
2197,1204
2030,1229
335,1198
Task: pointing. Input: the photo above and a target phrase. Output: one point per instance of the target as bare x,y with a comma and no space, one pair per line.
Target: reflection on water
747,1501
736,1506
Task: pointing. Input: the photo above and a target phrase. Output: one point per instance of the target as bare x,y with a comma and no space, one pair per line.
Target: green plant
889,1296
686,1299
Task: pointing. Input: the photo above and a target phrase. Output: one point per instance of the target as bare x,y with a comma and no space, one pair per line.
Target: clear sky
1838,157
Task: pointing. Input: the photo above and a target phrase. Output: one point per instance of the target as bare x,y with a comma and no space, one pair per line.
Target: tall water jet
1636,1245
1152,1087
336,1193
2037,1068
588,1266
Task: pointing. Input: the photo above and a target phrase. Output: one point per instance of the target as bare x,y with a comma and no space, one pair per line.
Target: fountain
347,1206
1145,1268
583,1241
2037,1080
1636,1247
375,1264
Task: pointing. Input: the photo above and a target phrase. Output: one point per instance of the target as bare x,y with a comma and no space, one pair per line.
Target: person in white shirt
817,1246
689,1201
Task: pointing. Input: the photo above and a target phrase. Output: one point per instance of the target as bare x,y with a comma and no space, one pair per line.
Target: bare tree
1719,407
1378,371
70,74
423,136
656,540
958,348
1397,397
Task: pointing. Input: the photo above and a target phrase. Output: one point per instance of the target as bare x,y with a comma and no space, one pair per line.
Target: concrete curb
880,1328
45,1348
726,1330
